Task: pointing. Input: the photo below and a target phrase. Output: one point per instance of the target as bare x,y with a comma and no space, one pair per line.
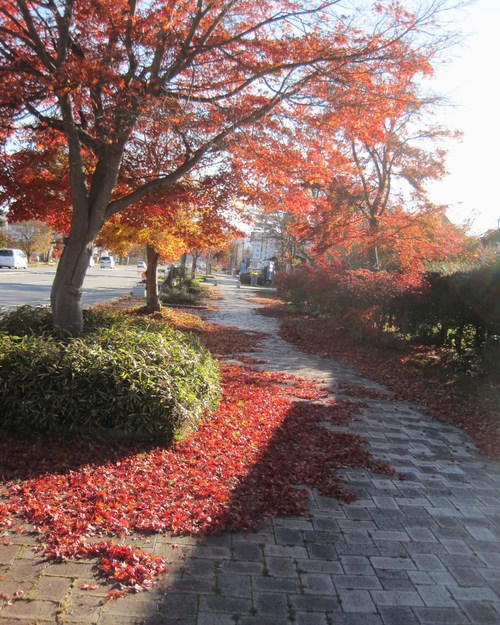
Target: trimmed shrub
357,300
125,373
26,321
246,278
460,310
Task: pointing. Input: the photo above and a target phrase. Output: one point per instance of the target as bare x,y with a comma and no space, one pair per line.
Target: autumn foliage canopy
131,97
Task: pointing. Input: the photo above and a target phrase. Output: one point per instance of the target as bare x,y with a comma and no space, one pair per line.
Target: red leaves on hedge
243,464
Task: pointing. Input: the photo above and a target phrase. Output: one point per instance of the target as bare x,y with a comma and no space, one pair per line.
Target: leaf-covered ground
84,497
413,373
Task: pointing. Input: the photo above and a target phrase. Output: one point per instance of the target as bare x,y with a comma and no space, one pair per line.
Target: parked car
141,265
13,258
107,262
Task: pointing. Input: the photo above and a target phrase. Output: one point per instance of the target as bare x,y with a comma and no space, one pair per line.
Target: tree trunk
66,294
373,258
182,271
195,254
152,299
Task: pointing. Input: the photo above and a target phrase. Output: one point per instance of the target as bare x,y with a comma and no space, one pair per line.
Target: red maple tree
120,80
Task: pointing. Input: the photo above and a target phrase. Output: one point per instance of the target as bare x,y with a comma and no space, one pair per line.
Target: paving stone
471,593
440,616
398,616
73,569
355,512
480,613
111,619
357,582
421,534
320,551
395,580
213,552
220,604
52,588
247,551
420,577
240,567
271,604
234,585
263,620
436,596
384,563
455,546
360,618
22,569
275,584
307,618
356,601
317,583
314,603
201,567
8,553
177,604
285,551
350,525
396,598
491,558
466,576
443,578
391,549
427,562
344,549
385,503
27,611
210,618
289,536
390,536
455,559
192,584
357,565
488,574
318,566
281,567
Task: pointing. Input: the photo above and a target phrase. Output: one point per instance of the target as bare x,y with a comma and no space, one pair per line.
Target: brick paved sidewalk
423,550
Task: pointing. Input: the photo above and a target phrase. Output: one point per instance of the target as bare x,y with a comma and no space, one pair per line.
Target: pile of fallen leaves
243,463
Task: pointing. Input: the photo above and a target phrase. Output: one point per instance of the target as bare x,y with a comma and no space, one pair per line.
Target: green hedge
458,310
125,373
461,309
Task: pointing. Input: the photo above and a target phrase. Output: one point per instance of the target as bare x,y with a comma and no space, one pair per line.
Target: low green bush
26,320
193,294
125,373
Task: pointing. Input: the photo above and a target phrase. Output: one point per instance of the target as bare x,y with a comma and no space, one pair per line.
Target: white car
107,262
141,265
13,258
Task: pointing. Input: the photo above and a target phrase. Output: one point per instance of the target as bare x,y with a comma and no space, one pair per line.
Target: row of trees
31,236
152,117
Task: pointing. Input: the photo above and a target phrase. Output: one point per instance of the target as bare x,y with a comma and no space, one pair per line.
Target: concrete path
425,550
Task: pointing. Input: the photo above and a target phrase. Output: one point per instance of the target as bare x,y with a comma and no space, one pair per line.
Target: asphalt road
32,286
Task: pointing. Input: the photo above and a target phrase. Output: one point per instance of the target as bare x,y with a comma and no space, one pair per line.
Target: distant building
263,249
490,241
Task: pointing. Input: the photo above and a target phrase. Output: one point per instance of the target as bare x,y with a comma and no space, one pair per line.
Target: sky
471,81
